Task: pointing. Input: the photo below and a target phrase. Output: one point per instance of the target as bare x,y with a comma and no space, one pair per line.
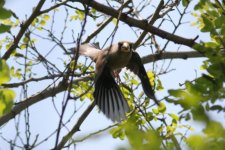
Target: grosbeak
107,95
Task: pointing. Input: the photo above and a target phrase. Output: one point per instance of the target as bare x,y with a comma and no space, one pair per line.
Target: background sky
43,117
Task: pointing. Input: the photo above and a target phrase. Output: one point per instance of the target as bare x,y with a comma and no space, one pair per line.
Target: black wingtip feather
136,66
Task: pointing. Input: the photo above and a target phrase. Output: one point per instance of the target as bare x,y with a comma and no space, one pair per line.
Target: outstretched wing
108,96
136,66
87,49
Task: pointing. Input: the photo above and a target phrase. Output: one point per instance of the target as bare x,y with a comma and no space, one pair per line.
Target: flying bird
107,95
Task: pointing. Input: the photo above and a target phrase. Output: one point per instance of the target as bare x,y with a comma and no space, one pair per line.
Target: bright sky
43,116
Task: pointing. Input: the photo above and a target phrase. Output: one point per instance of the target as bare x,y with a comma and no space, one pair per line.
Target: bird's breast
119,60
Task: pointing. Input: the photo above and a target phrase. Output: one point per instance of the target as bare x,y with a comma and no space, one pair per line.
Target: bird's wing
135,65
87,49
108,96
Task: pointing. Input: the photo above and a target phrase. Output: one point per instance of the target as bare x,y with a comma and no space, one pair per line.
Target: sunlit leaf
151,77
4,72
175,117
118,132
214,129
135,82
114,21
46,17
43,22
155,111
6,100
196,142
162,107
159,86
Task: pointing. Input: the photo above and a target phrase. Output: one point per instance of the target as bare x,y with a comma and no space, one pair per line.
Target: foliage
148,126
6,95
5,14
207,92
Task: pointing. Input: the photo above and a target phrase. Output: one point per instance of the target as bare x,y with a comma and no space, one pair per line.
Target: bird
107,94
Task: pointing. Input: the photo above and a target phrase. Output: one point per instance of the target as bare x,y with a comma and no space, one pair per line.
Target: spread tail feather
109,98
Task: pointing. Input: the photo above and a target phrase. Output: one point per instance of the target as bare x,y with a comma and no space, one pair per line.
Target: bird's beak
125,47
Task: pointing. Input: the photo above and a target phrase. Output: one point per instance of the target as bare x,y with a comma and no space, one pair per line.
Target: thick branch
142,24
171,55
75,128
62,86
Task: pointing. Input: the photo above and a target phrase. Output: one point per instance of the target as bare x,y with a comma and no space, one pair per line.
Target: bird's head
125,46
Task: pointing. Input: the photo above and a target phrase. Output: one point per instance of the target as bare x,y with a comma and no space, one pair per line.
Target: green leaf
155,111
162,107
80,14
118,132
42,22
149,116
4,28
175,117
6,100
222,31
46,17
185,2
170,130
217,107
220,21
4,72
200,4
196,142
114,21
208,25
214,129
135,82
159,86
175,93
199,114
5,13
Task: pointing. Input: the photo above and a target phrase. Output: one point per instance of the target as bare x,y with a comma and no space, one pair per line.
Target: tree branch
37,11
23,29
142,24
151,22
171,55
76,127
62,86
94,133
53,7
105,23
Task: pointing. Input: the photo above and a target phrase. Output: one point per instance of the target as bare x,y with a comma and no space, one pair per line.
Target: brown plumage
107,94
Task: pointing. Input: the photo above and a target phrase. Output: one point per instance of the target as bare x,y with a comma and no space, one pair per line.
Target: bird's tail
109,98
